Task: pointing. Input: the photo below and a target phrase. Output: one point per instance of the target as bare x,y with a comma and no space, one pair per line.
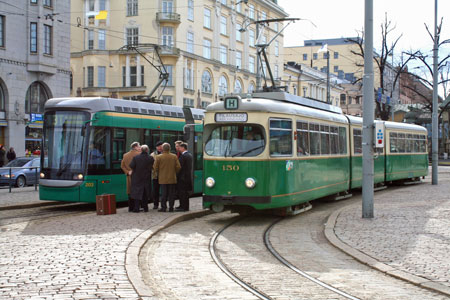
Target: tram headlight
42,175
78,177
210,182
250,183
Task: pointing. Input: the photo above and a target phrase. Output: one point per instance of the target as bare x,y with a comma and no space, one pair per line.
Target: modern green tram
85,139
276,150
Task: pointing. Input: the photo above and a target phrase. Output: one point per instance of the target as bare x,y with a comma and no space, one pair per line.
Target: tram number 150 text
230,168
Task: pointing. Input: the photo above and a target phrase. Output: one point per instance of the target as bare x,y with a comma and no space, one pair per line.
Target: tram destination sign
231,117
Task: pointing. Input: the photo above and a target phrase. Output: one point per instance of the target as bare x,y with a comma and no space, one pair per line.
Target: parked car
26,175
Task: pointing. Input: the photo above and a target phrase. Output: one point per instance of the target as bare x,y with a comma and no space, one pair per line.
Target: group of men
148,174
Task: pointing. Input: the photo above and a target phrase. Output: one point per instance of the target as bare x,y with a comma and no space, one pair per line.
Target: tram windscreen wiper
247,151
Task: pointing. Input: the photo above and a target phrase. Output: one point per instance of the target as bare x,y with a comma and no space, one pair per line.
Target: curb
134,249
375,264
31,205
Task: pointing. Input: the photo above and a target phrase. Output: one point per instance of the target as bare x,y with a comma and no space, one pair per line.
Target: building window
263,15
188,102
102,5
2,99
90,76
223,25
48,3
188,77
276,26
190,42
277,49
169,70
167,7
33,37
207,49
35,98
325,55
90,39
336,68
277,75
206,82
191,10
238,32
33,1
101,77
305,56
167,99
207,18
314,56
239,59
132,36
237,86
239,7
251,87
2,31
224,2
167,36
336,55
132,8
223,85
205,104
101,39
251,37
223,54
47,39
91,5
251,11
251,64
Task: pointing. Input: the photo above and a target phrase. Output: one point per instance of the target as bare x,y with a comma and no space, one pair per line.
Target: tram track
257,291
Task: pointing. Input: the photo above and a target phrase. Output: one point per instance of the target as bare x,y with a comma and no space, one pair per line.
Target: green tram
85,139
275,150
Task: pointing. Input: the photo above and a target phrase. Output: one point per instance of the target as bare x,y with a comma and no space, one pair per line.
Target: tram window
151,112
324,139
126,109
416,144
280,137
423,143
334,140
342,140
158,112
401,143
314,139
302,139
198,151
135,110
99,157
357,141
118,108
144,111
241,140
393,142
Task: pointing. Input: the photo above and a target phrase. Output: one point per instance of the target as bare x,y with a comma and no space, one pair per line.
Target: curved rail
228,272
294,268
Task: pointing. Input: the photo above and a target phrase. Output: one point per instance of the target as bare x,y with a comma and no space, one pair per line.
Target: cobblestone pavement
179,266
76,256
409,233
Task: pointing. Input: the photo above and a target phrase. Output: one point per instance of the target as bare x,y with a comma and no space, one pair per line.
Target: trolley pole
328,77
258,62
368,113
434,118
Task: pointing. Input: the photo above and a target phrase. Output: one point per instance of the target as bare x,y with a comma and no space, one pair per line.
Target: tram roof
389,125
96,104
267,104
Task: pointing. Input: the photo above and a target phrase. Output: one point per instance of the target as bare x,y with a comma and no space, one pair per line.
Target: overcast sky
342,18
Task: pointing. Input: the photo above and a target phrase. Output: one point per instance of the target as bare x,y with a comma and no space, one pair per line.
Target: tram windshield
236,141
64,142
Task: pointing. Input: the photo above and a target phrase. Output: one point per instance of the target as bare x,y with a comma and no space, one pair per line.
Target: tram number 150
230,168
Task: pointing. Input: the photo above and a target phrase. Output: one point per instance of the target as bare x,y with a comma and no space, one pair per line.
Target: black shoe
161,210
155,207
135,211
179,209
171,209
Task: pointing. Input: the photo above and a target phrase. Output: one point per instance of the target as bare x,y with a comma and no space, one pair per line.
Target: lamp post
434,122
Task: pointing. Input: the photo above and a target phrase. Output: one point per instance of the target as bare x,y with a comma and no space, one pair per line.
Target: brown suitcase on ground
106,204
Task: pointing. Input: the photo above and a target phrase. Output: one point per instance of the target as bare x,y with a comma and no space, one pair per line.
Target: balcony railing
169,51
168,17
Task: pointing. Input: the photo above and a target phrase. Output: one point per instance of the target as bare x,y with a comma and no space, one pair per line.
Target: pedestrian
125,165
167,166
2,156
177,148
156,189
141,176
11,155
184,177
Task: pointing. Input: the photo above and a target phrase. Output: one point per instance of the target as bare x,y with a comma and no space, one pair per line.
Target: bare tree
387,50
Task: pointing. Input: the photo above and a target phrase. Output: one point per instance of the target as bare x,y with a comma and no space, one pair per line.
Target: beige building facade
200,45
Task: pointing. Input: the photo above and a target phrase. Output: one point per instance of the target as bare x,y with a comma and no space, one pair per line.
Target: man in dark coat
184,178
141,175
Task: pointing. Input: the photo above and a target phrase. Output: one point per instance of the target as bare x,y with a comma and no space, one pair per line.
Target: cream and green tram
269,152
276,150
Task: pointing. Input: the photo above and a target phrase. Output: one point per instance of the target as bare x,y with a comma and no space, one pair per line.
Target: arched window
35,98
237,86
206,82
223,85
251,87
2,98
